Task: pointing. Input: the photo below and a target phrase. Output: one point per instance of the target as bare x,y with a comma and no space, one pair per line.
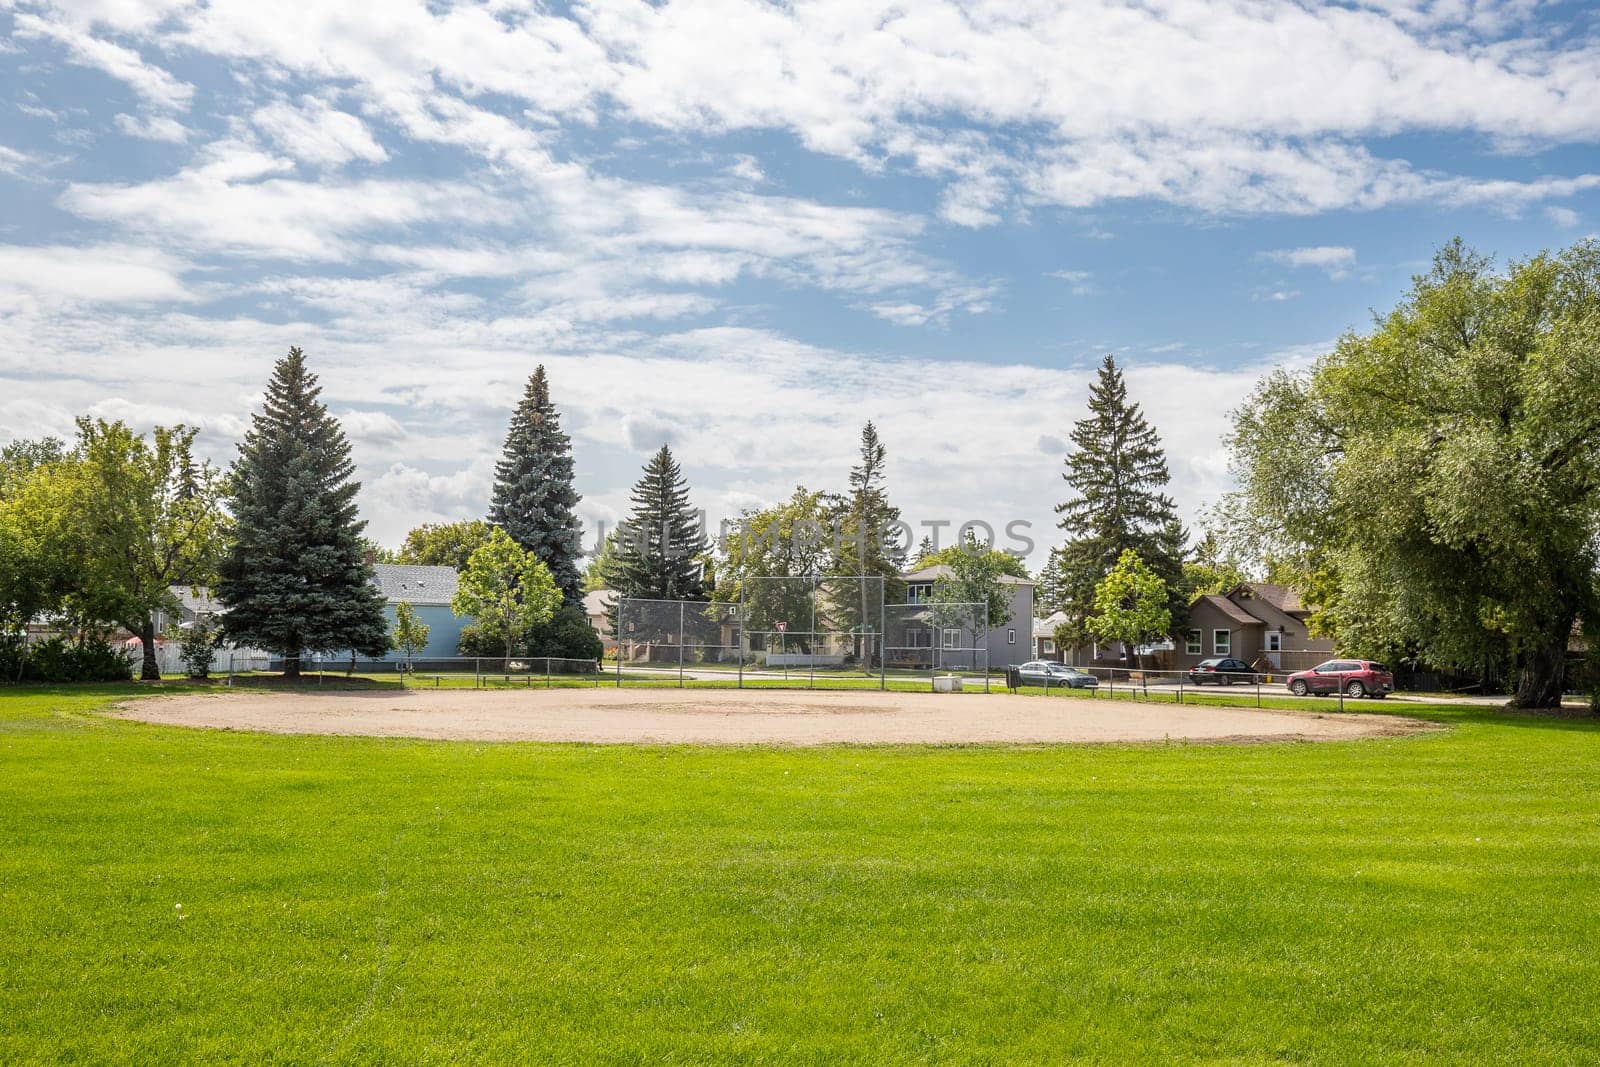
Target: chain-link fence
811,632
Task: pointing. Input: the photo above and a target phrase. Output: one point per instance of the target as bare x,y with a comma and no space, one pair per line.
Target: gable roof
595,603
1046,627
1282,597
415,585
1228,608
941,570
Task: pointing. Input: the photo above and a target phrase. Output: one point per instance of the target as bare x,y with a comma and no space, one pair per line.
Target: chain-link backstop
813,632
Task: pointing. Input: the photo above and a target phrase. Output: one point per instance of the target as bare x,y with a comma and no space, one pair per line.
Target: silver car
1056,675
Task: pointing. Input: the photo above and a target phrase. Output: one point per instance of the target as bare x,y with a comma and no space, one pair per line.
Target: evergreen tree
868,540
659,549
294,578
534,498
1118,474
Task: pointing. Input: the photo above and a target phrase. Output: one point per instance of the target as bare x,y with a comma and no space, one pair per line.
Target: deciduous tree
507,589
1435,484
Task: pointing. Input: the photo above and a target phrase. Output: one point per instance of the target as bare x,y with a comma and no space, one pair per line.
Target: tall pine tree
1118,474
660,549
869,541
295,578
534,498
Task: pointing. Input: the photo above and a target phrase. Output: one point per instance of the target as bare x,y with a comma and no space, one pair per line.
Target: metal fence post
883,635
477,671
547,672
1180,689
680,644
742,634
811,638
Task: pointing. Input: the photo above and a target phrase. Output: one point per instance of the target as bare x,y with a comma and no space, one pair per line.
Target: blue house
428,590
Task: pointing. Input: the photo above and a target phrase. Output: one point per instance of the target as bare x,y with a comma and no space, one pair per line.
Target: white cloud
1334,260
153,128
1079,282
124,64
105,273
1564,217
230,204
315,132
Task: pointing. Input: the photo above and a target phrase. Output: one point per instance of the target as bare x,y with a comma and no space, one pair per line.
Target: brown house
1259,622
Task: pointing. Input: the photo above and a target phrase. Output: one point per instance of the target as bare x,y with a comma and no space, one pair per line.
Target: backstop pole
811,637
883,634
741,631
680,644
619,643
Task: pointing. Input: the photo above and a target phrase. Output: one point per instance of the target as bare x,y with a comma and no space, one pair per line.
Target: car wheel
1298,687
1355,691
1227,679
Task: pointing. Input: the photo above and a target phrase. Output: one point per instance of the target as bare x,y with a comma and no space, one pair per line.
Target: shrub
196,646
94,660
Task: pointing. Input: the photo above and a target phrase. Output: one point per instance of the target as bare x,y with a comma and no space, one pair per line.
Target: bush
196,646
95,660
567,635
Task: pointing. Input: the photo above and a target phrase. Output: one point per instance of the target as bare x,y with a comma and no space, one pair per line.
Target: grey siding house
428,590
1009,643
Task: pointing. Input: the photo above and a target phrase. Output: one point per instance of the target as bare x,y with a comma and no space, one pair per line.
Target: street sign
783,627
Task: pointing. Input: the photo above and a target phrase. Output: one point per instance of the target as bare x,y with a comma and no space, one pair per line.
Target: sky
743,229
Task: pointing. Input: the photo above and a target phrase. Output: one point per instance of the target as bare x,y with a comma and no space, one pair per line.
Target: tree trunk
1543,671
151,671
291,665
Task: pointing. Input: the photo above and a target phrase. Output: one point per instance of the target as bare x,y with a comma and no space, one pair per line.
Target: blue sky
744,228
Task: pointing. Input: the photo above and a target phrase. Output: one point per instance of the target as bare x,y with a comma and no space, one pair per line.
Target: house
597,606
916,633
1044,637
1262,623
428,590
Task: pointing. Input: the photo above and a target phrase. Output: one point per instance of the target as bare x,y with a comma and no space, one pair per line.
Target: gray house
1009,643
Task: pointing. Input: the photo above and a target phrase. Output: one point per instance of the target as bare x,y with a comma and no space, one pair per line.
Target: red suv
1352,677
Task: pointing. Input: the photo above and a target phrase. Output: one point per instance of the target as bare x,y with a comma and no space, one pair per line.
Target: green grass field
168,896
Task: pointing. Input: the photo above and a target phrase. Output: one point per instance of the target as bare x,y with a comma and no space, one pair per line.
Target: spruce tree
295,578
868,543
660,549
1118,474
534,498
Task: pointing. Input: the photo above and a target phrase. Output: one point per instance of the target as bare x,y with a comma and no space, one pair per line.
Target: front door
1275,648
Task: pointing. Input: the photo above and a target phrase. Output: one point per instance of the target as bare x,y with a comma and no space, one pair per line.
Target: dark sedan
1222,671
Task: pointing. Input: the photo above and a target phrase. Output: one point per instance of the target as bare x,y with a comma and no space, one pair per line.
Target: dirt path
711,716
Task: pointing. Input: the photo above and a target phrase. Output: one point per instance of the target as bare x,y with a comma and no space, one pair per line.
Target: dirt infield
735,717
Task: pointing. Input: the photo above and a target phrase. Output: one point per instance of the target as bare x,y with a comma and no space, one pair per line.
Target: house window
1191,643
1222,642
1047,646
1011,637
1274,640
952,637
918,594
919,638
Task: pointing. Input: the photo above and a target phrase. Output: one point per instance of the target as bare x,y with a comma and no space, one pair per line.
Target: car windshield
1209,662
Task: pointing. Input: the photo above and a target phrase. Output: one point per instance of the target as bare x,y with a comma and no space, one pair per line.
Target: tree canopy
661,548
295,577
534,496
1131,604
1435,483
1117,471
975,578
506,589
443,544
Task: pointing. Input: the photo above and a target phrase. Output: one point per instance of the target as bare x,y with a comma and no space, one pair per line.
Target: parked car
1352,677
1056,675
1222,671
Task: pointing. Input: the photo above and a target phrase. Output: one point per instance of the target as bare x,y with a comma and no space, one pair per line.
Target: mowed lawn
168,895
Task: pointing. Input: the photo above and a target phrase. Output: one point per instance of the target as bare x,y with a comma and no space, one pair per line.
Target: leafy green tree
1435,483
1117,471
146,517
534,496
790,541
1131,604
37,566
294,578
975,578
602,564
506,589
660,546
1002,561
869,538
1211,570
443,544
409,634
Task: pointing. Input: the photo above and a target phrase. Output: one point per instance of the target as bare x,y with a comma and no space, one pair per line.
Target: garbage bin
1013,677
